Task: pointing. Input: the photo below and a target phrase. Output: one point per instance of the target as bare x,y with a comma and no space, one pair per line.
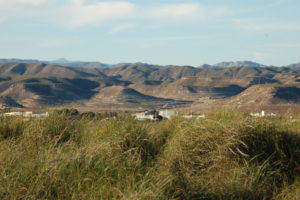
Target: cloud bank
124,15
78,13
10,3
88,14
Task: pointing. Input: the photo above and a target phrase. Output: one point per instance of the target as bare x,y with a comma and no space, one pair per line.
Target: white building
13,114
150,115
194,116
167,113
27,114
263,114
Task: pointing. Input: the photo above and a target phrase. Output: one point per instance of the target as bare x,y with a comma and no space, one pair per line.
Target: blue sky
189,32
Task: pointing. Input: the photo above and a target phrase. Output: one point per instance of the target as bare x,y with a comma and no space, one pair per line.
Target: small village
162,114
28,114
155,115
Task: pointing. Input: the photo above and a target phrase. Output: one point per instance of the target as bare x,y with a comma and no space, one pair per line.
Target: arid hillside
146,86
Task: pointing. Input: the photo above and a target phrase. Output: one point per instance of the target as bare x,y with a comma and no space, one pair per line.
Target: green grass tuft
228,155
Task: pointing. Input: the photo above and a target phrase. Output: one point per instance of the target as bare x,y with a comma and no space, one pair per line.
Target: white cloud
82,14
78,13
267,25
31,2
19,8
94,14
122,27
97,13
178,10
9,3
188,11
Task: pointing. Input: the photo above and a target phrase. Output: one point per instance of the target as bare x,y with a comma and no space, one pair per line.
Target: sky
179,32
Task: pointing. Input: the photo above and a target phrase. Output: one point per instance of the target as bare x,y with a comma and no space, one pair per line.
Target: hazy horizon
68,60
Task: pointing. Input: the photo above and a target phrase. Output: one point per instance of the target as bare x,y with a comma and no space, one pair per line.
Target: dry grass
226,156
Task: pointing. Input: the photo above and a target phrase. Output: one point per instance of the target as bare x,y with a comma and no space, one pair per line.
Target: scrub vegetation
228,155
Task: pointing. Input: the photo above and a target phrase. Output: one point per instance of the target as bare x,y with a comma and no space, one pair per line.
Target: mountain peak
245,63
239,64
60,60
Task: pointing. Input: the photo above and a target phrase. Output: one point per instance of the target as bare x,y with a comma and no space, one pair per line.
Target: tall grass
228,155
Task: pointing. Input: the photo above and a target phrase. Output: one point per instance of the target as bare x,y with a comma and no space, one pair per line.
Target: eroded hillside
138,85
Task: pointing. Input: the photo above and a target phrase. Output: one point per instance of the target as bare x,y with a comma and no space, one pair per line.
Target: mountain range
87,64
61,61
233,64
35,84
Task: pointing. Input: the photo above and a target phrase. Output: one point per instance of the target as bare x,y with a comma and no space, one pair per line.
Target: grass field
228,155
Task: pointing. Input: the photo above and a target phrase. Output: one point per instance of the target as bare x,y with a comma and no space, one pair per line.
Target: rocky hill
45,70
143,85
267,94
